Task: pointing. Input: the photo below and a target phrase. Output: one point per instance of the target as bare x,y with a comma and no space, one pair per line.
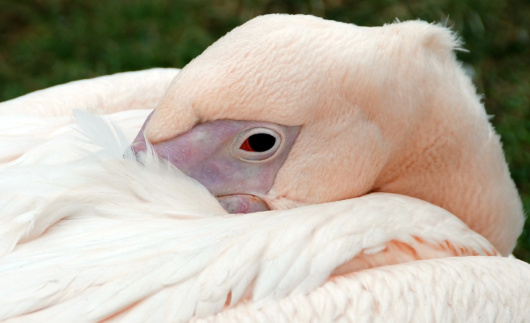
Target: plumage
88,233
380,109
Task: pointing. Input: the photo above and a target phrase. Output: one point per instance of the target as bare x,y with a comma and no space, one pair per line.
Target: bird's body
90,234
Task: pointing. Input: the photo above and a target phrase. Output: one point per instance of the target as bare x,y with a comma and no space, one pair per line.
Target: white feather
128,233
89,235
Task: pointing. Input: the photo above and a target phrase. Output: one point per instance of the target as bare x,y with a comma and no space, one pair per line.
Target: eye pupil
259,142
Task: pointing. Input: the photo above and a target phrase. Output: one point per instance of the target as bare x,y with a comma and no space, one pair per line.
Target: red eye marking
246,146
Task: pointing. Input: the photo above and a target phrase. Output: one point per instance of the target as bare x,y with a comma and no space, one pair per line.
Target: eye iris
259,142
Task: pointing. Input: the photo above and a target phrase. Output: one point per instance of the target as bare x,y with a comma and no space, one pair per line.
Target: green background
48,42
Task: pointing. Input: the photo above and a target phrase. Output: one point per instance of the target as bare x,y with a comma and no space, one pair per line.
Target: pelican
298,170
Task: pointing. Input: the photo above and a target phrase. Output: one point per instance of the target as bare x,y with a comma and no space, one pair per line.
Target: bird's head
292,110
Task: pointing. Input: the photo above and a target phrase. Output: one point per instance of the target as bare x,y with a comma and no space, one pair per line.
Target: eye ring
256,144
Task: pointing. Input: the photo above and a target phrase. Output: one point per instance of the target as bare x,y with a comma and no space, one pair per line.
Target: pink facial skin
211,153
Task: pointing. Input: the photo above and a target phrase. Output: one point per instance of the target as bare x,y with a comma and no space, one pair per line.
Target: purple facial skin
218,155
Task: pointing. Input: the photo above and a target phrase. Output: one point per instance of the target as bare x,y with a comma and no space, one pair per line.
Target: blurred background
48,42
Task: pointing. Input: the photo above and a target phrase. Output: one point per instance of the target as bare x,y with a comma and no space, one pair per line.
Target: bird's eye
257,144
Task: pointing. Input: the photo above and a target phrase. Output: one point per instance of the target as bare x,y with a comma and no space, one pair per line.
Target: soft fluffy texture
103,237
88,234
382,109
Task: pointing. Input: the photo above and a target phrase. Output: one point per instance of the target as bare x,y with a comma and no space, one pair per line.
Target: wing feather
89,234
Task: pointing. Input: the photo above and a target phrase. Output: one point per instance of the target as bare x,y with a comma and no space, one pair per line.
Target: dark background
48,42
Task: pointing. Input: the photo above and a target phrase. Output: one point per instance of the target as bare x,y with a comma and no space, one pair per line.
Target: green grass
48,42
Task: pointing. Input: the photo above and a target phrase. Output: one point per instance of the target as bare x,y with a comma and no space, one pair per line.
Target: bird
345,103
299,169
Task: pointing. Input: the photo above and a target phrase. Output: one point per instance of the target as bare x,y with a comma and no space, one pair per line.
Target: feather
86,234
120,214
